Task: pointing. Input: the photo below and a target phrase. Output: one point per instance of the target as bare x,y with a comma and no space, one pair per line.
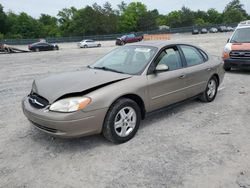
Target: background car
236,53
204,31
128,39
195,31
112,95
229,28
222,29
88,44
42,46
213,30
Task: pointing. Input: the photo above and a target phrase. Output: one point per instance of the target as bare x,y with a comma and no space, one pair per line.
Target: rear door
167,87
197,70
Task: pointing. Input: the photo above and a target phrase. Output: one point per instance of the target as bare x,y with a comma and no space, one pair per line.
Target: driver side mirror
161,68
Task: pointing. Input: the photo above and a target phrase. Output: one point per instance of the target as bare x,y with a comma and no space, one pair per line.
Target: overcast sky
51,7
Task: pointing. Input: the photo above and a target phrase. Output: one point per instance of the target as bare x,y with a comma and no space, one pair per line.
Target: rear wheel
85,46
37,50
122,121
211,90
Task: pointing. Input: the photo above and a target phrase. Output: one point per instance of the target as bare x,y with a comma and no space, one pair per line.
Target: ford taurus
114,94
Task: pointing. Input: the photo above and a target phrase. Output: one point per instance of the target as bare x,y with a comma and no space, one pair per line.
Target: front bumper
65,125
237,63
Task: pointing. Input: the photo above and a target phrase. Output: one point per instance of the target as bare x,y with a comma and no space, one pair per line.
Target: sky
51,7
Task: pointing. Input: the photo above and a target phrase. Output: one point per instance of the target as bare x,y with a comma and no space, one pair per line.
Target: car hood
240,46
59,85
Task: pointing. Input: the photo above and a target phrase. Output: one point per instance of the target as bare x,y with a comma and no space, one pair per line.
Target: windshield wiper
108,69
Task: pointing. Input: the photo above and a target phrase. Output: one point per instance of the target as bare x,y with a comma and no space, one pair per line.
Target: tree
234,12
173,19
214,17
3,17
65,20
129,20
187,17
148,21
49,25
122,7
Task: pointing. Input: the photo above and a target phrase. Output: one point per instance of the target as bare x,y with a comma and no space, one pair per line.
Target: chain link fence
107,37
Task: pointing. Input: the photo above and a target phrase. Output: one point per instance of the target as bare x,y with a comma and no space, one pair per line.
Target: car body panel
155,90
65,124
75,82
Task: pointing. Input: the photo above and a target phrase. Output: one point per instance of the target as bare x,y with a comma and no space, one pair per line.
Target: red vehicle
128,39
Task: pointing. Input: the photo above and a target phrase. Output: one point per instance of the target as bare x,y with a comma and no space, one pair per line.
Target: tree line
98,20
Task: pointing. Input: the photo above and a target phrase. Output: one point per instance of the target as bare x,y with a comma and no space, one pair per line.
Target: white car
88,44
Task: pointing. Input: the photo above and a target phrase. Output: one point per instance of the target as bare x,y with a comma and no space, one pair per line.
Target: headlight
228,47
71,104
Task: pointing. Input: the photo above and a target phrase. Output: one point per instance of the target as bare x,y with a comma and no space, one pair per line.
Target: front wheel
122,121
211,90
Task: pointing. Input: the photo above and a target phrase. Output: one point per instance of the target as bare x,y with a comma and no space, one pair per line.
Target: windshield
241,35
128,59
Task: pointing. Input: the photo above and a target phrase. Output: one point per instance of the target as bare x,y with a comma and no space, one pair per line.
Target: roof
245,23
153,43
161,44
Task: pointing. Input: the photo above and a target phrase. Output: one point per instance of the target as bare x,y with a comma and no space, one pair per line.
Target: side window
192,55
205,56
171,58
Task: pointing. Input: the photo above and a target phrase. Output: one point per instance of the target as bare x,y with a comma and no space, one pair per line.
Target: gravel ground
191,145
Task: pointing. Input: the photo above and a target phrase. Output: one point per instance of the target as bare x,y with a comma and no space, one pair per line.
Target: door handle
182,76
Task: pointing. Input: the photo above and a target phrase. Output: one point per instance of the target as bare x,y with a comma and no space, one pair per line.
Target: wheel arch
217,77
137,99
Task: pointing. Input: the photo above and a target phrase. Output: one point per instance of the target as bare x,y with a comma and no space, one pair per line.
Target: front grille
37,101
46,128
240,54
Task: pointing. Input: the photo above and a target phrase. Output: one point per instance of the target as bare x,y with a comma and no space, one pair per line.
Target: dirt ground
192,145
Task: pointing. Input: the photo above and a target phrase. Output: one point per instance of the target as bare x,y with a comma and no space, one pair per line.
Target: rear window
241,35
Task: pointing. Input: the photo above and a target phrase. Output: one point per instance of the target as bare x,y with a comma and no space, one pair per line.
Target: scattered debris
242,92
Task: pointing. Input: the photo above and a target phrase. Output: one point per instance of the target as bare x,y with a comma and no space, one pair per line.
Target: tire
37,49
99,45
85,46
211,90
126,126
122,43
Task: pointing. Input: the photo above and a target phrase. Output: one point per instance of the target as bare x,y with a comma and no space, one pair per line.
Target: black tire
37,49
99,45
122,43
85,46
109,130
205,97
